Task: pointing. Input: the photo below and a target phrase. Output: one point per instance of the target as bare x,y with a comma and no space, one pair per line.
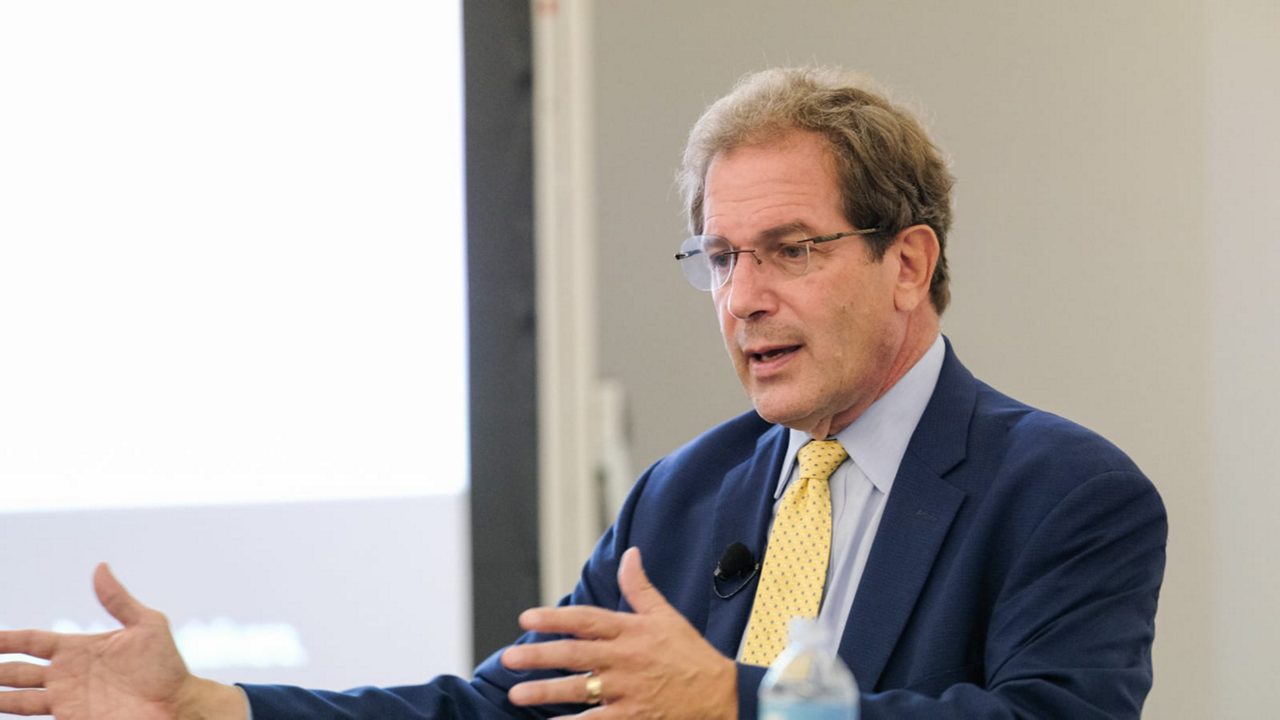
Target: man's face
813,351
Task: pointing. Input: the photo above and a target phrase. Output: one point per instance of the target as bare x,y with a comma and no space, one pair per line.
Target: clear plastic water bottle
808,681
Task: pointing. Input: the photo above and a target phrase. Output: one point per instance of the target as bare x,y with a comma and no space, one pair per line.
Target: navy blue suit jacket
1014,574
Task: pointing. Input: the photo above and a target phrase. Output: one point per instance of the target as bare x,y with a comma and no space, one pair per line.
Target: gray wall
1108,257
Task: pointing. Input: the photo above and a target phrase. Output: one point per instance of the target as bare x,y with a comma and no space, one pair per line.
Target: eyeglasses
708,260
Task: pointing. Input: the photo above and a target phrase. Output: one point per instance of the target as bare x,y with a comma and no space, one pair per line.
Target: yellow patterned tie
795,563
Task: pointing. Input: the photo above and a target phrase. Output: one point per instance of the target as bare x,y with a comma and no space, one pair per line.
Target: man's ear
916,250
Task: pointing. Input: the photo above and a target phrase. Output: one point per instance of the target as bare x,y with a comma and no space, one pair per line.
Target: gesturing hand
651,663
134,673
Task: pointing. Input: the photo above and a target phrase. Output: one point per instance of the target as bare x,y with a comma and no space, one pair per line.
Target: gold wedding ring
595,689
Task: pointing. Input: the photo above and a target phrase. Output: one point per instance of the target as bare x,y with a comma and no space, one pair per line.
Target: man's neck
922,330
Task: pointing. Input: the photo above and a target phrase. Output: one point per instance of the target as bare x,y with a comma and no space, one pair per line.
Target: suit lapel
744,507
917,516
915,523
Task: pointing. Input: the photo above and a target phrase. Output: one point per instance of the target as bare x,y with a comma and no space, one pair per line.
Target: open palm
134,673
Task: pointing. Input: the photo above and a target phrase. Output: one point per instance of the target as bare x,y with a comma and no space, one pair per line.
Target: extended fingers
115,598
556,691
36,643
572,690
583,621
22,675
575,655
25,702
635,585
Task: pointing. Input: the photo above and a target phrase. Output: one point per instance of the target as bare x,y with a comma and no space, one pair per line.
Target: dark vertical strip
499,163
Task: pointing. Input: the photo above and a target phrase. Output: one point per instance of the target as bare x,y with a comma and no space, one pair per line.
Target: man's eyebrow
782,232
777,233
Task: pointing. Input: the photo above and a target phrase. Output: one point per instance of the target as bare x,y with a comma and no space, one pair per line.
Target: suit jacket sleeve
485,695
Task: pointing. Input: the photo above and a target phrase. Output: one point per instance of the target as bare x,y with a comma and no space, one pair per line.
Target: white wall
1109,255
1242,194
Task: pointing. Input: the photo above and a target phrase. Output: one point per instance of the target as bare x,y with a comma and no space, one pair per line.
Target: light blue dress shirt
876,442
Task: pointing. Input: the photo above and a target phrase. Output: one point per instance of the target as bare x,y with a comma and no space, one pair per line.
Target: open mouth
773,353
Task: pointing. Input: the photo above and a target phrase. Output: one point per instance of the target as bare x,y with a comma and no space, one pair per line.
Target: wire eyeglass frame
709,270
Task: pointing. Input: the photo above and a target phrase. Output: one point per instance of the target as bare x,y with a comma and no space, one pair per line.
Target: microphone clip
715,584
736,562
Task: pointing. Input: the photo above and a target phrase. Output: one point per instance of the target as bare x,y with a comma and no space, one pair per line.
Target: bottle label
807,710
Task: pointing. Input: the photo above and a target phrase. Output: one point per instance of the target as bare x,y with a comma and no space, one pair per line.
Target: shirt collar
878,439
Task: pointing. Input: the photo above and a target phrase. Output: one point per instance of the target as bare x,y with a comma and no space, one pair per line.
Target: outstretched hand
134,673
650,663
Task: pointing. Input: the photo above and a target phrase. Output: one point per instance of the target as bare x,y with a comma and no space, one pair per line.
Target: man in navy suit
987,560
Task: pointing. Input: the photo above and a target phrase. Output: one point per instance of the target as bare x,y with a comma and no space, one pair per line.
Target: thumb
635,585
115,598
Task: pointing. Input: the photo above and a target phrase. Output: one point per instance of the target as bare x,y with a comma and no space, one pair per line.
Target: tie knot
820,458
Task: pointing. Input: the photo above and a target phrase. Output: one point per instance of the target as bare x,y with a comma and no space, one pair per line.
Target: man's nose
749,287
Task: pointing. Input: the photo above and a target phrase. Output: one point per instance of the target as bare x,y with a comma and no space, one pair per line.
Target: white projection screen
233,330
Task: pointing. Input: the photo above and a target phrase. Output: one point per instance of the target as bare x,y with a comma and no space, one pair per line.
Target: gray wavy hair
891,174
